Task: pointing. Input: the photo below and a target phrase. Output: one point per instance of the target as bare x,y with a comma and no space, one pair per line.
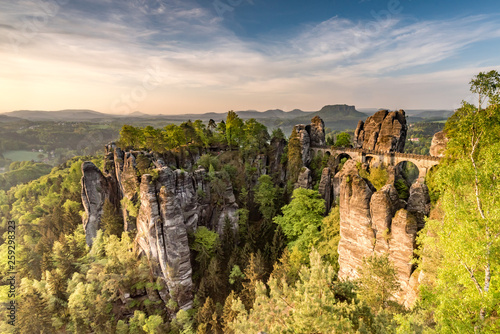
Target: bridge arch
408,170
376,158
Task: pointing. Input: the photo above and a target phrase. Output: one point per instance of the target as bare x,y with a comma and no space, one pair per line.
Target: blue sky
196,56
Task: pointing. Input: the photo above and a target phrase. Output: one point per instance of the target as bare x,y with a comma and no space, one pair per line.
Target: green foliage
302,219
205,244
255,138
378,176
235,275
328,243
234,129
111,220
311,306
377,282
208,161
464,296
267,197
343,140
22,172
277,134
131,207
487,86
294,155
402,188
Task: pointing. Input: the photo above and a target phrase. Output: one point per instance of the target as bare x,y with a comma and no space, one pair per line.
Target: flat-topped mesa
384,131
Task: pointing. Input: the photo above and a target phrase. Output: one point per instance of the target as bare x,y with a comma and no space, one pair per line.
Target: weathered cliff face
378,222
305,179
384,131
276,168
438,144
170,205
311,135
96,188
356,235
326,188
317,132
305,142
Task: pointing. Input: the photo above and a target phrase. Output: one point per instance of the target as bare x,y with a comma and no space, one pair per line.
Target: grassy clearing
22,155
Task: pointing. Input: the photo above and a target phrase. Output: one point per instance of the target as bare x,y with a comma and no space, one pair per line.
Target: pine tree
111,220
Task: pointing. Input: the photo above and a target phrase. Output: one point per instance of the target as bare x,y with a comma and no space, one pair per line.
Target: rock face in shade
378,222
419,203
438,144
168,207
311,135
384,131
96,188
305,142
305,179
276,150
326,188
317,132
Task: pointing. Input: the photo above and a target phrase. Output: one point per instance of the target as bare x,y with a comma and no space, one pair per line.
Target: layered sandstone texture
384,131
311,135
438,144
161,207
379,222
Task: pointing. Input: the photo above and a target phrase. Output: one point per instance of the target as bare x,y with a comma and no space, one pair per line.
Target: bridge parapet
364,151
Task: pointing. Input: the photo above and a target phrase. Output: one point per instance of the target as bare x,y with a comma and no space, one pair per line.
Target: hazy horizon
194,57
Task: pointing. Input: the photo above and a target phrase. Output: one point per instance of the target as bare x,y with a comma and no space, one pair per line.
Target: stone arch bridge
423,162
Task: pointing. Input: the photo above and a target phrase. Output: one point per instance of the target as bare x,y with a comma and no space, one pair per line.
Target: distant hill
61,115
336,117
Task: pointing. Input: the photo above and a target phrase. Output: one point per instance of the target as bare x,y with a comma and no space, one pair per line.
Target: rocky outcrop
276,168
357,238
305,179
162,206
317,132
378,222
419,203
302,131
384,131
162,237
96,188
312,135
438,144
401,247
326,188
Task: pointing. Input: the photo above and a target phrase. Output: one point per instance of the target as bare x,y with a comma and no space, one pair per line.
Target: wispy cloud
105,46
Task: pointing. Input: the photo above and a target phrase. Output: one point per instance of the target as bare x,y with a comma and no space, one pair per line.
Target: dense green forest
278,274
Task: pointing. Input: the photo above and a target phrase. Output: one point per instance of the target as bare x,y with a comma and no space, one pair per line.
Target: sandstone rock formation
419,203
170,204
356,234
276,150
384,131
305,179
310,135
317,132
305,142
438,144
326,188
377,222
96,188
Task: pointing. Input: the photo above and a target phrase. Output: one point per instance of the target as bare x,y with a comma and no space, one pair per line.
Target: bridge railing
365,151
